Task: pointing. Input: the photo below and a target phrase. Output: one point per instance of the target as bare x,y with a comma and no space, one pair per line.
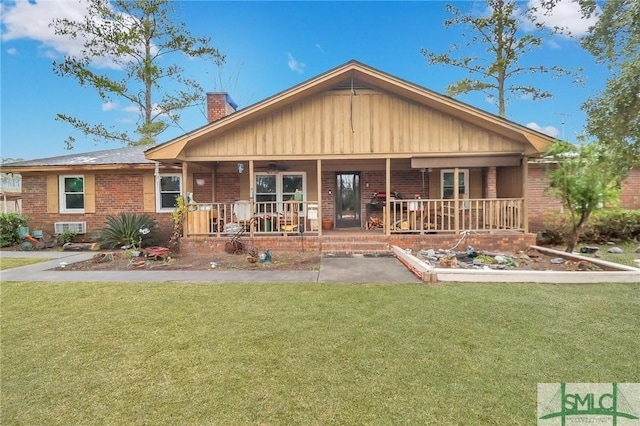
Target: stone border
429,274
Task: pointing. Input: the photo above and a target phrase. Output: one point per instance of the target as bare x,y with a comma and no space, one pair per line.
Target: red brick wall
630,196
115,194
203,193
227,187
541,202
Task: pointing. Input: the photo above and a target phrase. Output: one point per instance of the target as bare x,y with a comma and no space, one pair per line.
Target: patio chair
288,221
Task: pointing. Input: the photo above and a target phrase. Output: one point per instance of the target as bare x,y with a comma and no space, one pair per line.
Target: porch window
168,188
448,188
71,194
279,187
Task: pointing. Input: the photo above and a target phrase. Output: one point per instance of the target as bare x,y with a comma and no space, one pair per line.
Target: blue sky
270,46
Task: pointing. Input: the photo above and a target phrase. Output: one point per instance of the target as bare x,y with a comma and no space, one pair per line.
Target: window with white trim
279,187
168,188
71,193
448,184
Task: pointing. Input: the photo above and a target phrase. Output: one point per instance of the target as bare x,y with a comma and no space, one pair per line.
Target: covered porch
380,197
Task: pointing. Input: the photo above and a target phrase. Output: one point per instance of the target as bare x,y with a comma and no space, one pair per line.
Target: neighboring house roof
110,158
533,142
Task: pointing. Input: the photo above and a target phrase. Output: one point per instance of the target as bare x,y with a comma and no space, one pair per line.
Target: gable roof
343,77
110,158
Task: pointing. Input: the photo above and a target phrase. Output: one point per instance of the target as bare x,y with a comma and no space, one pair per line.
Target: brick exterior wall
203,193
115,193
228,187
630,196
541,202
372,242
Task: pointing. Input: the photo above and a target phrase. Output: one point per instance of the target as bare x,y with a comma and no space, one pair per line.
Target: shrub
128,229
603,226
9,223
618,224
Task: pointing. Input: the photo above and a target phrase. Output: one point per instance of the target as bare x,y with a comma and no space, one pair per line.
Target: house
352,160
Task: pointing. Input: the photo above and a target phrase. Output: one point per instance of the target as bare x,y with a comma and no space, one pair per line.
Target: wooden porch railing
425,216
405,216
260,217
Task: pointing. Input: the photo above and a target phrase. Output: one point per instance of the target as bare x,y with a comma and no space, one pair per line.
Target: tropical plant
127,230
9,223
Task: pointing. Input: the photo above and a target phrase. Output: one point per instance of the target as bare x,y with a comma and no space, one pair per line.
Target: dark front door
348,200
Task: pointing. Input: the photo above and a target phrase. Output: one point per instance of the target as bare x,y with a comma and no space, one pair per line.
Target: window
279,187
169,187
447,181
71,194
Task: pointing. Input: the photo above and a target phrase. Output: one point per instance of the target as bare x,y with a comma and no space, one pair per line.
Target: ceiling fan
273,167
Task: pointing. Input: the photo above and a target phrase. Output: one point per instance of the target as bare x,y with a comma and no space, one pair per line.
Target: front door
348,200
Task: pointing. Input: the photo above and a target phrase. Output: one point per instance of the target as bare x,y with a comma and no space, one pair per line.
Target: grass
228,354
625,258
14,262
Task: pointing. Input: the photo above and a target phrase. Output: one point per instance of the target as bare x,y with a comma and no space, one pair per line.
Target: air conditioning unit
77,227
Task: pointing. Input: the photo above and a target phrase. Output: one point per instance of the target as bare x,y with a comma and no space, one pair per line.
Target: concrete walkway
357,269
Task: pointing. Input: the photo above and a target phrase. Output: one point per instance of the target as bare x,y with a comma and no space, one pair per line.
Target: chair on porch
242,213
288,221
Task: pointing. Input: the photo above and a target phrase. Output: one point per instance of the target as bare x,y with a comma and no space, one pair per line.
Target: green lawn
625,258
14,262
281,354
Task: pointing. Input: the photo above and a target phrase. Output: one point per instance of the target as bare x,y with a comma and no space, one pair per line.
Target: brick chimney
219,104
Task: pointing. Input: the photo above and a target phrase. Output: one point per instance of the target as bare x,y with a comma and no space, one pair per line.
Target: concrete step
354,247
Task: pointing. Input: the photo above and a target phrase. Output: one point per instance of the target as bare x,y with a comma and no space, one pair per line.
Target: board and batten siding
367,123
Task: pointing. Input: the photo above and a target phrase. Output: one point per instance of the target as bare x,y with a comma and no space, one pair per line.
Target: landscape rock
557,260
638,250
589,249
616,250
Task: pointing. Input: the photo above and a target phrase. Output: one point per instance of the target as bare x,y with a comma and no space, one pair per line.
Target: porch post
525,195
251,196
185,225
319,185
387,213
456,200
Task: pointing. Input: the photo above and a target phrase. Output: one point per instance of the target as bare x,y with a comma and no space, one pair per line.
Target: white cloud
319,47
24,19
566,15
110,106
490,99
548,130
12,51
294,65
132,108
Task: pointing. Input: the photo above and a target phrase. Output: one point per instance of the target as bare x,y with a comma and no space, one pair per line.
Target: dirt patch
290,261
120,261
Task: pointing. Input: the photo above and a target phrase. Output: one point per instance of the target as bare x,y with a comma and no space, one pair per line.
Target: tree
499,34
134,38
585,178
613,116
